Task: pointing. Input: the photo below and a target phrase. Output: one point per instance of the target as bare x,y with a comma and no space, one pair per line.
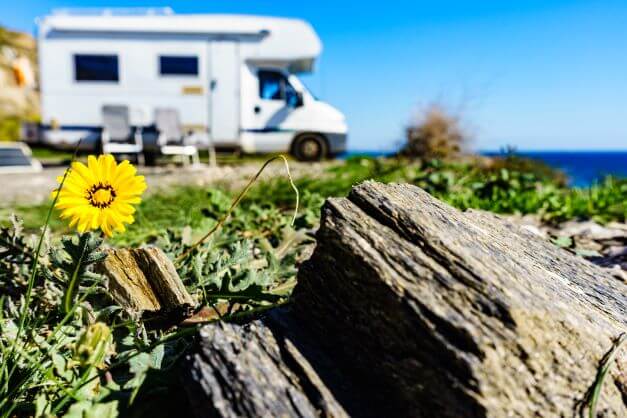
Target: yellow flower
100,194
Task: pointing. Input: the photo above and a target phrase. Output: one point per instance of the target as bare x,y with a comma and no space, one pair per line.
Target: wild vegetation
90,358
504,185
499,186
435,133
67,349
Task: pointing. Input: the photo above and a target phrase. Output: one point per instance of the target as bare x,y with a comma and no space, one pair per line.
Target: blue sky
535,74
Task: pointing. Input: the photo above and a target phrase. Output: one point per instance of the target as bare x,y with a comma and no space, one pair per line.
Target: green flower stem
71,289
236,201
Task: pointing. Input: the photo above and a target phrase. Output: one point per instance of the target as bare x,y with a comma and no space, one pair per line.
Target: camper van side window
177,65
96,67
271,85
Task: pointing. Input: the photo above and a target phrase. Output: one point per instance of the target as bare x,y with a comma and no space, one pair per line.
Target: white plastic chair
172,140
117,134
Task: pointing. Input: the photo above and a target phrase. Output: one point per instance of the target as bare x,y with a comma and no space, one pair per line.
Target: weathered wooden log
458,314
144,280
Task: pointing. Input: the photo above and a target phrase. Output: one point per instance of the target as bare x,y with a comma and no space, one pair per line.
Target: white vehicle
232,79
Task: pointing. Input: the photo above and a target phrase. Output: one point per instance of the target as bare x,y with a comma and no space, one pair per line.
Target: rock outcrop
422,310
256,370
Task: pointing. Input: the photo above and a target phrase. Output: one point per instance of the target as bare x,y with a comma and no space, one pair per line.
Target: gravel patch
34,188
604,245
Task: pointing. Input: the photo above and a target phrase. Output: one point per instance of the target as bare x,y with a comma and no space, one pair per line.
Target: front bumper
337,142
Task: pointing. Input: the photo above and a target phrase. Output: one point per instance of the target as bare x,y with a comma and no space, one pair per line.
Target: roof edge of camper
113,11
171,23
282,39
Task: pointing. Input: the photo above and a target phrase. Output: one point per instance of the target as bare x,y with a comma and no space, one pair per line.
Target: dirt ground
34,188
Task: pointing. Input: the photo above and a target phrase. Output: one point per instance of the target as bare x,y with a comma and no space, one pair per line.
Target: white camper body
232,79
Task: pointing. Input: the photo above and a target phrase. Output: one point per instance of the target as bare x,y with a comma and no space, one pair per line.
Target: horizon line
499,150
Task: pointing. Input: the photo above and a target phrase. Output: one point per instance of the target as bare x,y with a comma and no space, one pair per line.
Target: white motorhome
232,78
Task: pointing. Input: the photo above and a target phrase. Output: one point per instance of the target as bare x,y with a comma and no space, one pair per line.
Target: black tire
310,147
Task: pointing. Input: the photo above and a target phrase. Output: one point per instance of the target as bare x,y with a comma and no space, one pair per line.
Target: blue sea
583,168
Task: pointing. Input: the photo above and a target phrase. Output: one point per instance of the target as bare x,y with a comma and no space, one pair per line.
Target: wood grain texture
457,314
144,280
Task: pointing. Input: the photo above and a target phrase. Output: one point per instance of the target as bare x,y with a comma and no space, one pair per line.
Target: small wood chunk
163,278
144,279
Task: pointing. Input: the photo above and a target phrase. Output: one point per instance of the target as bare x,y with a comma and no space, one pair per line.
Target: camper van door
265,118
224,95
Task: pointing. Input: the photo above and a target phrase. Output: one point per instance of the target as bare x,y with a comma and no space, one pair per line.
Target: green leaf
156,357
139,364
41,405
588,253
86,409
563,242
139,367
60,366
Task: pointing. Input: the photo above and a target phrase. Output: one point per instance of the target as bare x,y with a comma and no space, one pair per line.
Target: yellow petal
124,172
83,223
94,168
104,226
83,172
130,200
123,207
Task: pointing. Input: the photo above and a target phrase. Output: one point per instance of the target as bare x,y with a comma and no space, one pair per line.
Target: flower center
101,195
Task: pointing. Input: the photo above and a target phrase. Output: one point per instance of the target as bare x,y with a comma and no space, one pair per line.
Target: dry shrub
435,133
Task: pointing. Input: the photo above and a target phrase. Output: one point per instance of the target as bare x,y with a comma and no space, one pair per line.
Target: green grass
464,185
51,154
498,188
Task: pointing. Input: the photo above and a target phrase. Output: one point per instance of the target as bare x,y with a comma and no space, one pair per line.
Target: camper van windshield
305,87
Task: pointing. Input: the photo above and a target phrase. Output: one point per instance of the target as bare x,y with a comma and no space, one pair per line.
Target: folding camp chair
118,137
172,140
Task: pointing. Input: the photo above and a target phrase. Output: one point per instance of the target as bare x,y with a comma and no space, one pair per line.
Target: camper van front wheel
309,147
